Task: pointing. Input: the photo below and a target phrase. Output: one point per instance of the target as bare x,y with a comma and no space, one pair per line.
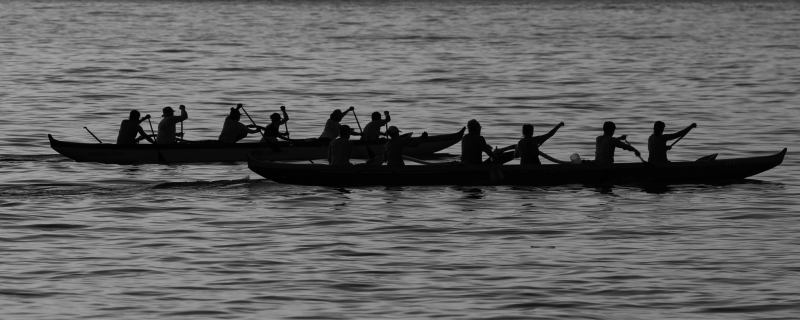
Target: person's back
339,149
128,130
657,143
393,149
166,128
605,145
528,151
372,131
472,147
232,129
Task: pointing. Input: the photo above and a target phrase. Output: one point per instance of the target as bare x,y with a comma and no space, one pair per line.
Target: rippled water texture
91,241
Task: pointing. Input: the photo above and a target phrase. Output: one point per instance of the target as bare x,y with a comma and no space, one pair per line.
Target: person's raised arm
348,110
679,133
183,115
388,118
626,146
541,139
487,149
285,115
144,118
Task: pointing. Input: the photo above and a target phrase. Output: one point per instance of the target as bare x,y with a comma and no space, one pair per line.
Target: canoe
527,175
214,151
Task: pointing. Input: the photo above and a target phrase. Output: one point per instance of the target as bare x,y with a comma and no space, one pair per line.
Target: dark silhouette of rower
233,130
393,149
166,128
339,149
372,131
130,127
605,145
657,143
332,126
472,144
528,147
272,131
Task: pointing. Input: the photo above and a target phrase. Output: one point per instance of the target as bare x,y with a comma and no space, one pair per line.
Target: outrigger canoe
214,151
527,175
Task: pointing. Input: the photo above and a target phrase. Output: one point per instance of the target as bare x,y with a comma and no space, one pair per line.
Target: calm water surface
92,241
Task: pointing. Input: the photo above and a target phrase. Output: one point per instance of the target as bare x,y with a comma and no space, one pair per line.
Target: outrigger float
701,171
214,151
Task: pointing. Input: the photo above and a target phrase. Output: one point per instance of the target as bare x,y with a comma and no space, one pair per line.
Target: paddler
339,149
166,128
528,147
233,130
272,131
393,149
472,144
657,143
332,126
130,127
372,131
605,145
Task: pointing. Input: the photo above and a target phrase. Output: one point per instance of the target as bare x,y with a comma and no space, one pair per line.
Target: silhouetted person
129,128
272,131
332,126
604,153
528,147
339,149
166,128
472,144
372,131
657,143
233,130
393,149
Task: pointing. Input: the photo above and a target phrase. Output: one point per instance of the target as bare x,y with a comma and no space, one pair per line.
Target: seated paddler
393,149
657,143
607,143
273,130
233,130
339,149
130,128
372,131
528,147
473,144
332,126
166,128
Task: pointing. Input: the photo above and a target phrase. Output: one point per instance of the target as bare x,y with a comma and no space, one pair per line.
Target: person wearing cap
339,149
393,149
233,130
657,143
528,147
332,126
272,131
372,131
166,128
129,128
472,144
605,145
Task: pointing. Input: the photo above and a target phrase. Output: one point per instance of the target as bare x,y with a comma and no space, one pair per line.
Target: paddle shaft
265,137
629,144
676,141
369,150
95,137
155,140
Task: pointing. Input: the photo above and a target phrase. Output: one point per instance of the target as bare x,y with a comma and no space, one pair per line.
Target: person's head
527,130
376,116
337,115
344,132
393,132
609,128
234,115
473,126
658,128
275,117
168,112
134,115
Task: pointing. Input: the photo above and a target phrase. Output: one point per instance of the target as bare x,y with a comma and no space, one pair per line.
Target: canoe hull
528,175
212,151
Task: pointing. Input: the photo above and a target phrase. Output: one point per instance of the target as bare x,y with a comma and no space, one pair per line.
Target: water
84,240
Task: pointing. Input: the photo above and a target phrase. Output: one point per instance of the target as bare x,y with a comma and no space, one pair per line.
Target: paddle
370,154
694,125
182,128
418,160
95,137
158,151
629,144
286,124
